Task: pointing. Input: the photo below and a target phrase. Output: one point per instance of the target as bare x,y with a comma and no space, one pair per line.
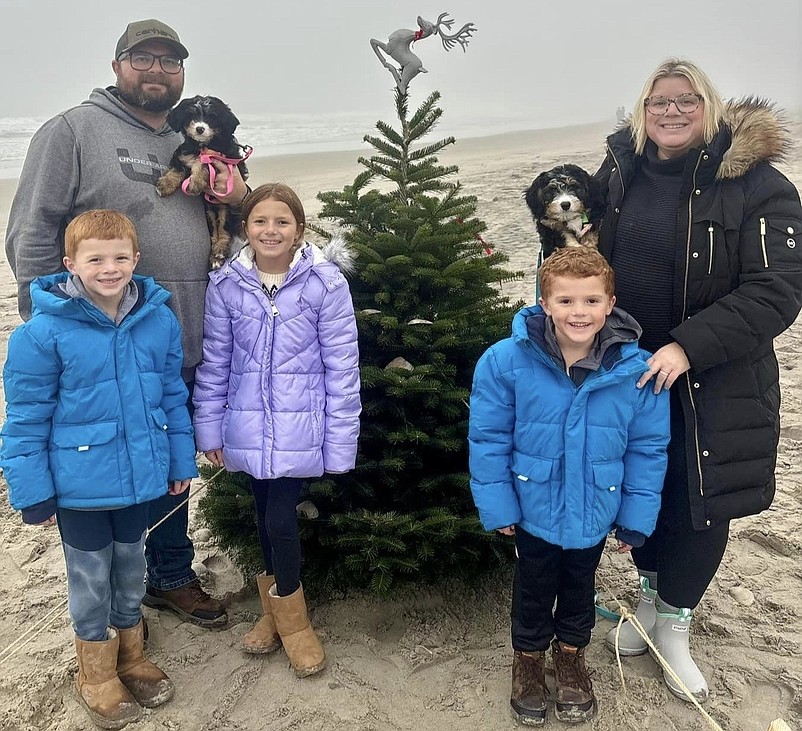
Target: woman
702,233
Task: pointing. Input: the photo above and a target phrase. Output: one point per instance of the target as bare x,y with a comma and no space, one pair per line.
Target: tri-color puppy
567,205
208,127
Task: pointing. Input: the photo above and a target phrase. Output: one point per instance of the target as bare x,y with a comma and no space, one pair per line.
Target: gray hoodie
97,155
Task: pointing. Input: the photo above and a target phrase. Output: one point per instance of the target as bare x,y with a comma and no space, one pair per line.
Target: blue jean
168,551
103,551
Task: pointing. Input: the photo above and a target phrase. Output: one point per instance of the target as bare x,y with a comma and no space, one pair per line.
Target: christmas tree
428,302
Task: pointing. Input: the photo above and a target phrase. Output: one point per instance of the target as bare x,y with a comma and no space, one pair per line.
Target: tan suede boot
107,700
299,639
146,681
263,638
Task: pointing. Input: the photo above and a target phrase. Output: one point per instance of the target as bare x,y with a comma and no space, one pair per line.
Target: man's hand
508,531
51,521
178,486
238,192
623,547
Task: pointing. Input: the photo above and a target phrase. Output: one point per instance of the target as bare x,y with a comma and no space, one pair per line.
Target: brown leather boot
300,642
263,638
529,691
147,682
575,700
107,700
190,602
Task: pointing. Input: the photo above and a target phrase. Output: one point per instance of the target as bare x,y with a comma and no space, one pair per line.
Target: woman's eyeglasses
685,103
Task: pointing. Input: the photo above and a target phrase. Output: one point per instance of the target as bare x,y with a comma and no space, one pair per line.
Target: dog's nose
200,129
565,205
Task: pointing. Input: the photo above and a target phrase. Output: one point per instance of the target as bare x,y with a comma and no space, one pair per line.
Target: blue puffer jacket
96,413
566,463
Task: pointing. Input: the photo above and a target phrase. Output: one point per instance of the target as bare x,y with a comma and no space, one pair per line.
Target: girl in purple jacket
277,394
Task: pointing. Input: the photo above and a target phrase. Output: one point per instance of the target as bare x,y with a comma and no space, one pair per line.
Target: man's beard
152,101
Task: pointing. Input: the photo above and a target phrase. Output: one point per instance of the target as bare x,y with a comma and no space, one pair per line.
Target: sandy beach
432,658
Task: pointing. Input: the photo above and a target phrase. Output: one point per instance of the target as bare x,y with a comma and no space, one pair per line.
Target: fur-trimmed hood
758,133
336,251
752,131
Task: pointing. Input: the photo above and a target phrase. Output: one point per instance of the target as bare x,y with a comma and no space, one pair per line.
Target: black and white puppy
208,125
567,205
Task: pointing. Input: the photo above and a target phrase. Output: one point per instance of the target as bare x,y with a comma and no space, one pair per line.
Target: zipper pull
763,242
274,308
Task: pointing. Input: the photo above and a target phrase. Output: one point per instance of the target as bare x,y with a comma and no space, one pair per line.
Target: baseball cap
149,30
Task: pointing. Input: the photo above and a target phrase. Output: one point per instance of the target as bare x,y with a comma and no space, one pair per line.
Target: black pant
277,524
545,572
685,559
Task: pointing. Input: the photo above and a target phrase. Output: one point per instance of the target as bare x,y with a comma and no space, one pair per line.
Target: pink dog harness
207,158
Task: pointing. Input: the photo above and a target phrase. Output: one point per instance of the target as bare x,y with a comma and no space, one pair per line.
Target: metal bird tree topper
398,45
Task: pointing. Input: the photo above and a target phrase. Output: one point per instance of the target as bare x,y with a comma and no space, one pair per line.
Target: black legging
277,524
685,559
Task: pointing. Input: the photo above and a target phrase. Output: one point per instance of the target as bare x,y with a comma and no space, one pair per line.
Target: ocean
277,134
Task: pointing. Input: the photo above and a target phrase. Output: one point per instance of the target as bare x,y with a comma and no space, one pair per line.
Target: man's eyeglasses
143,61
685,103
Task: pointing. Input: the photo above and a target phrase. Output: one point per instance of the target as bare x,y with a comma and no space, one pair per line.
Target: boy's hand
508,531
51,521
178,486
215,456
623,547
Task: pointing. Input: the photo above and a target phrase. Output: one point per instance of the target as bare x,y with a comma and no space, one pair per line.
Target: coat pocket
160,440
607,478
533,483
84,457
318,416
777,236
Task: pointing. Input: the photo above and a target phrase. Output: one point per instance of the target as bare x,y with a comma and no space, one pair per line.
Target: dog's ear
596,201
178,114
532,195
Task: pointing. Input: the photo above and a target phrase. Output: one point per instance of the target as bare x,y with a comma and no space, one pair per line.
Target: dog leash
207,158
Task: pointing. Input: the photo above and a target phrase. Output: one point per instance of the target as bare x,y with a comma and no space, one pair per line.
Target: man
108,152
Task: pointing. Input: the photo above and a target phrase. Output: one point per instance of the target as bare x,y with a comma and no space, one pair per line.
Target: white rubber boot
670,637
630,643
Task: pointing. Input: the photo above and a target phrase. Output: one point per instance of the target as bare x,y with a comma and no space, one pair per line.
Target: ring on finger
664,373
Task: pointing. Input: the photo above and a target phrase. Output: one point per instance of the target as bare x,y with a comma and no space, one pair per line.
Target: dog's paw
216,260
168,184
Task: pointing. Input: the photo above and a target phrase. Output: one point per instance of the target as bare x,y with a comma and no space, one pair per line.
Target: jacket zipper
684,311
763,242
618,170
710,257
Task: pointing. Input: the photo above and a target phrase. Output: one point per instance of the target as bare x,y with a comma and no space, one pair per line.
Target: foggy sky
550,63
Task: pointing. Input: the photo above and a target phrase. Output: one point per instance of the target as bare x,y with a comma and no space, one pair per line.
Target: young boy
96,426
563,447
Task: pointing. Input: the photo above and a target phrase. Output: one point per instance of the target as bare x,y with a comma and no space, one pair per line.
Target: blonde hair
576,262
702,85
98,224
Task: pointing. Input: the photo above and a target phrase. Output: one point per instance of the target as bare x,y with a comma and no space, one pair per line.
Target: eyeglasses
143,61
685,103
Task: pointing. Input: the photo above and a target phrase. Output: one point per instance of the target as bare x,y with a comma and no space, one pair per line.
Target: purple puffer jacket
278,388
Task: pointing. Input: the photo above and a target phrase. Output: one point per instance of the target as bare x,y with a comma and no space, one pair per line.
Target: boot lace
572,671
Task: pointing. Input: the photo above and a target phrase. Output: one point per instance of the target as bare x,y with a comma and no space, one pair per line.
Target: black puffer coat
737,285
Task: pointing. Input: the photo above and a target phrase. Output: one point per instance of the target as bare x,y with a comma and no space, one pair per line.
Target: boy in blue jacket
96,426
563,448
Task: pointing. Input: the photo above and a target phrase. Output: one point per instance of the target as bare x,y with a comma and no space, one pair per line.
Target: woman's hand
508,531
178,486
215,456
665,366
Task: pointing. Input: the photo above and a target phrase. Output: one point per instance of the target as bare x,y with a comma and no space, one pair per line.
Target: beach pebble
200,569
202,535
742,595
